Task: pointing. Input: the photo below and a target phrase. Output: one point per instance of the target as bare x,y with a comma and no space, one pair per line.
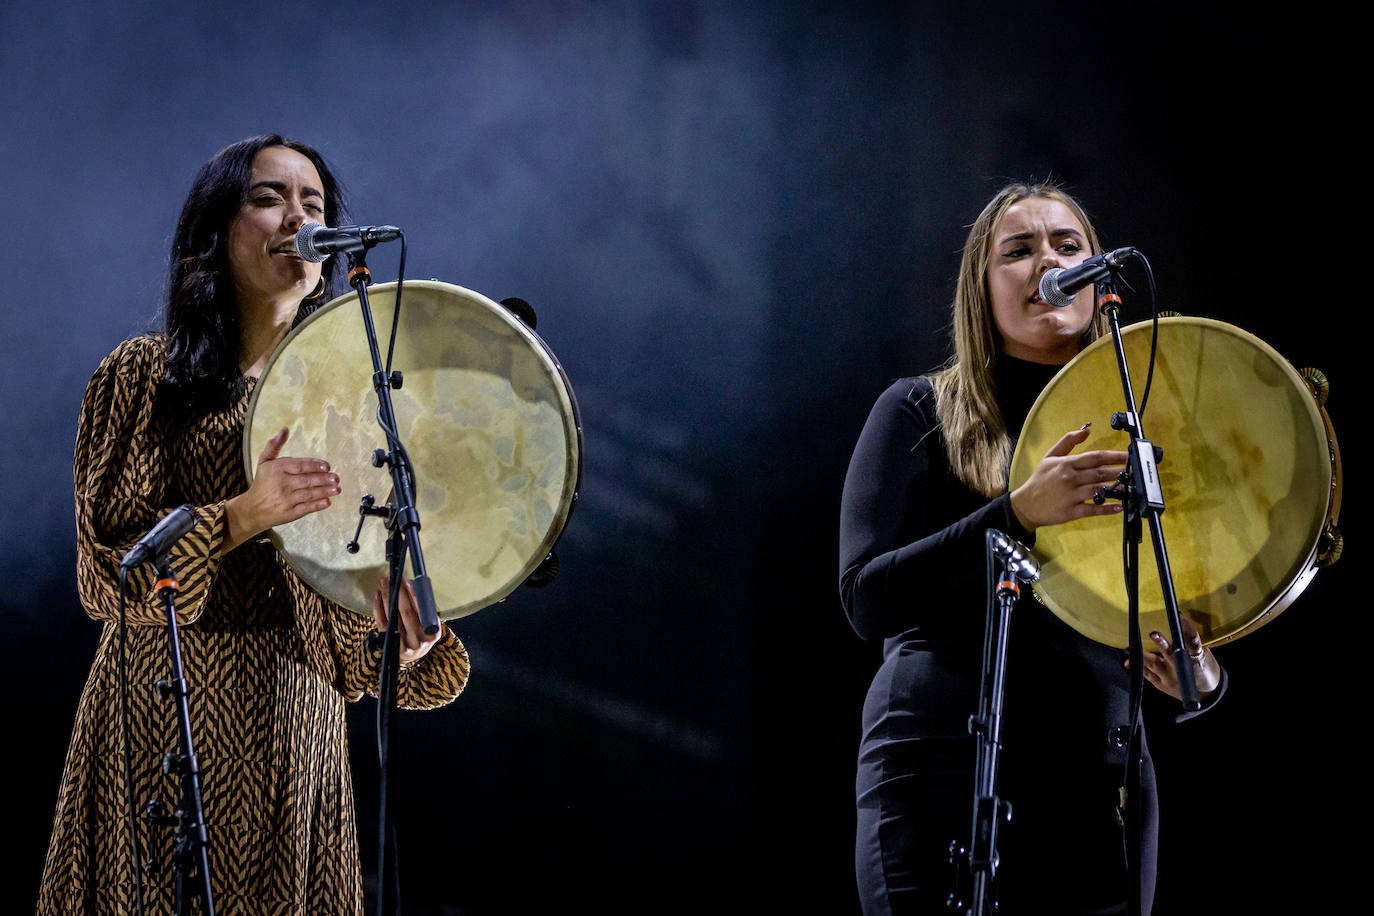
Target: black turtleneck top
913,573
911,533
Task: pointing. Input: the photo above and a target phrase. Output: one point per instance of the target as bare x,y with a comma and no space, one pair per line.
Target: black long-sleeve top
911,534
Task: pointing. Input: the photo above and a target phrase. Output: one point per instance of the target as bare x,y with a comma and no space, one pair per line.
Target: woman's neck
261,327
1018,383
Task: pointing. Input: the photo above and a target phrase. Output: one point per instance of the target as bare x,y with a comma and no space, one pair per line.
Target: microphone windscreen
1050,291
305,243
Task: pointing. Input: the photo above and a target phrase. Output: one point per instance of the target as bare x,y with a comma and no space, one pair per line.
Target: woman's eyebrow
1054,233
280,186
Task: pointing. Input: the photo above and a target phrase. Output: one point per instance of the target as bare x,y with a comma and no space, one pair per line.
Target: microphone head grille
1049,288
305,243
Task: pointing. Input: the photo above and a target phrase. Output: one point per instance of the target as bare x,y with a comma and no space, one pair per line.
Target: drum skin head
1246,475
484,411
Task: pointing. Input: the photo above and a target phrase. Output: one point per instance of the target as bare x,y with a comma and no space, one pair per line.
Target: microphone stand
1141,497
192,841
403,522
989,810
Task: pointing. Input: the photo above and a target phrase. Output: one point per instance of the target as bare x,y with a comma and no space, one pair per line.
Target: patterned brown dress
270,664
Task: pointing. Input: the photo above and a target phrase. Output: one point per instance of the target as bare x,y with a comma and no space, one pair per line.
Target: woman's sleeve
895,574
434,681
121,484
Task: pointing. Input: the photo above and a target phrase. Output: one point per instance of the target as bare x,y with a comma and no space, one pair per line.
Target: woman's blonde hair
976,437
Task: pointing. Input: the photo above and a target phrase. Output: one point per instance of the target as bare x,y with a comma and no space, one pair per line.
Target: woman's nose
295,216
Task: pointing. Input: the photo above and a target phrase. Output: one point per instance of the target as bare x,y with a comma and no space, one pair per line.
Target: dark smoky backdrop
738,223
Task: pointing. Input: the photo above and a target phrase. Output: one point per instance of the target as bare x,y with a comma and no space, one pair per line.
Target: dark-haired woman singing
928,478
270,661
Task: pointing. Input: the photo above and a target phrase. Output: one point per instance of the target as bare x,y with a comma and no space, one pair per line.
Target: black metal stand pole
192,840
989,810
403,521
1142,498
405,516
1146,496
1135,651
388,886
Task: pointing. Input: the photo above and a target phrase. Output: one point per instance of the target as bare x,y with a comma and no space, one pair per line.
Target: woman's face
284,192
1034,235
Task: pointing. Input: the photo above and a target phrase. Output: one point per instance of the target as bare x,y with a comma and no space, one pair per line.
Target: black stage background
738,222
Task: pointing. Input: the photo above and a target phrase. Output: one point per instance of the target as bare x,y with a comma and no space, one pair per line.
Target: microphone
1059,284
1020,562
315,242
164,534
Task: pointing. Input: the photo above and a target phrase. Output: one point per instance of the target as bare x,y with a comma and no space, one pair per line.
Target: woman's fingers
1097,458
413,641
299,486
1067,442
1098,475
1088,510
274,445
379,606
1192,640
410,617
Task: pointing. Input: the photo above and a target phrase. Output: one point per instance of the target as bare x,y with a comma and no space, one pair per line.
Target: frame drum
1250,473
485,412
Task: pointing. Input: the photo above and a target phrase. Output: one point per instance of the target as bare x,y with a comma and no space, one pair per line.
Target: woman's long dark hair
199,317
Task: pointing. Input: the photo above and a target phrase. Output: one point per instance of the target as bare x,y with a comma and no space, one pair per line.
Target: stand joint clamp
407,518
381,380
368,508
167,689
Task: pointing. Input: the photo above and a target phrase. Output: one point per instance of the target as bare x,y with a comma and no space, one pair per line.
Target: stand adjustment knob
156,813
380,457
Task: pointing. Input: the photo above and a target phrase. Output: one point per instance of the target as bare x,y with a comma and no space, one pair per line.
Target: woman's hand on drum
283,490
1060,487
414,641
1159,668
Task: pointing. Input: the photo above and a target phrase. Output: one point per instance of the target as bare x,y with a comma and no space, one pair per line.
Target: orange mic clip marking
166,583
